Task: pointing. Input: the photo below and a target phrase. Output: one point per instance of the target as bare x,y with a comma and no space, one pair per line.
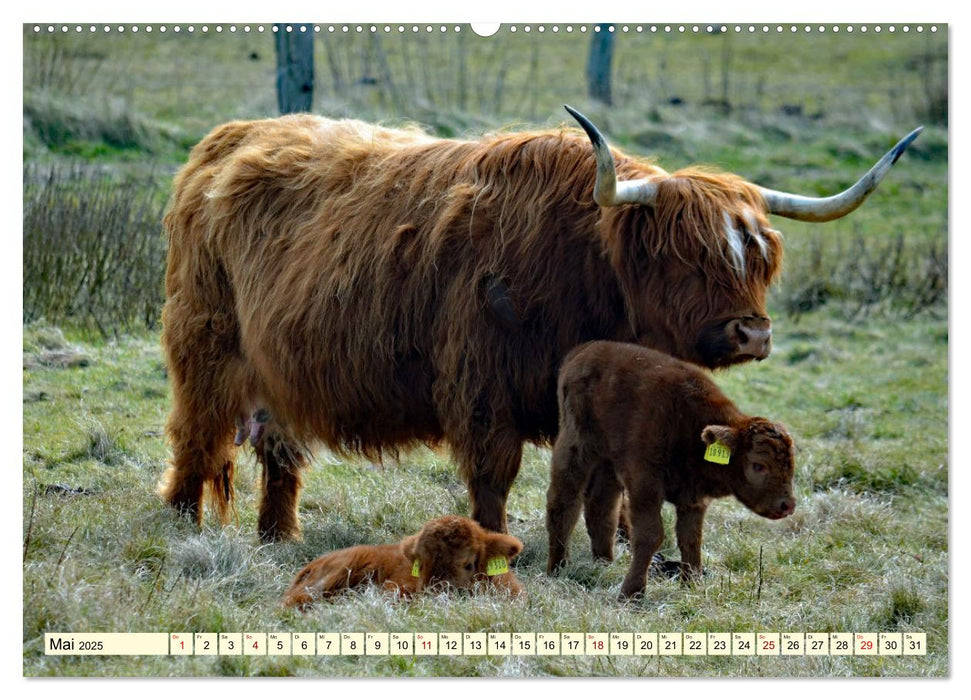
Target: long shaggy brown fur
377,288
448,552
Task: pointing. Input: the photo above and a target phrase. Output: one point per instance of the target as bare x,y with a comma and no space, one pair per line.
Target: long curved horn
607,191
818,209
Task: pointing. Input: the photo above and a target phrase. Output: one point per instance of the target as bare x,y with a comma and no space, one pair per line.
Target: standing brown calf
450,550
637,420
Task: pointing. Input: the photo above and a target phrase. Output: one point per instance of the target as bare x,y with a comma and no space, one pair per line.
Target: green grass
456,82
866,549
108,118
859,369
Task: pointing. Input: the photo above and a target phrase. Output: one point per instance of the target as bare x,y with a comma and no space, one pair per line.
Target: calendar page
335,332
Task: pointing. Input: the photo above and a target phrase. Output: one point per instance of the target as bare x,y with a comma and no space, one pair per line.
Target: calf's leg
623,519
688,528
646,537
602,510
568,477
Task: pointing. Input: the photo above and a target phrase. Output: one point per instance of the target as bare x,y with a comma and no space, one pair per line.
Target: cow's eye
756,467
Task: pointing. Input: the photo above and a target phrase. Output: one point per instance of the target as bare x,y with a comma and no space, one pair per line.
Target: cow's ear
499,545
724,434
409,547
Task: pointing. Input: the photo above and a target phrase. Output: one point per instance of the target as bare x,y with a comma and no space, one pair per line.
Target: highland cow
374,289
449,553
636,421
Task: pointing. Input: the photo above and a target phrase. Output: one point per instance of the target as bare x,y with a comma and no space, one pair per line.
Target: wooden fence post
294,67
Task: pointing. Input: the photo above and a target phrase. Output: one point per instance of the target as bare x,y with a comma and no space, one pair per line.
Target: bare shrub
862,276
63,64
94,252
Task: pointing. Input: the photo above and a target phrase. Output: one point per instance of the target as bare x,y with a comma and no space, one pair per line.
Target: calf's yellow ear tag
718,453
497,565
415,569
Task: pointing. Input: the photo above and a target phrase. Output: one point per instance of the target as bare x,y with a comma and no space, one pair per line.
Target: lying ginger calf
637,421
449,551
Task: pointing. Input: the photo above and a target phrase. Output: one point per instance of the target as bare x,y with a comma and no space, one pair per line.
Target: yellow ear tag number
415,569
718,453
497,565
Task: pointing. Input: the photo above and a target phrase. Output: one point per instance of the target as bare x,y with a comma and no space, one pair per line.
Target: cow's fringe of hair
334,271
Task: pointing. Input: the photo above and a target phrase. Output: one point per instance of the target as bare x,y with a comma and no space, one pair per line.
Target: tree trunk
294,68
598,64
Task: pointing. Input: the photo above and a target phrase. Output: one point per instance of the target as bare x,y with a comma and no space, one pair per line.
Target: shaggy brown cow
637,421
373,288
448,552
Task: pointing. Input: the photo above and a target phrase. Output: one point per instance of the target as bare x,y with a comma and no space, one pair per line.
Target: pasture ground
859,371
866,550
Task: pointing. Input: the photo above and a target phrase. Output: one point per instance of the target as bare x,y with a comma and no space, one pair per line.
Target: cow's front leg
489,466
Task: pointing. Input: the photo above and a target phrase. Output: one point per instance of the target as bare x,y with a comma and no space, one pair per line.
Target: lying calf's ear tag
497,565
415,569
718,453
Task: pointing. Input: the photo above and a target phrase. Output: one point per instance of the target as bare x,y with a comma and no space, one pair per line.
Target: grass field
859,369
